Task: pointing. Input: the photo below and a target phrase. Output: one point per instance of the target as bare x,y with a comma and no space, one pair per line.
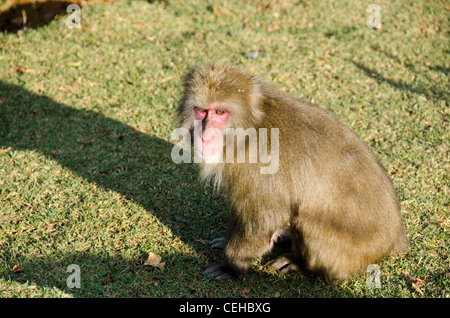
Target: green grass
86,117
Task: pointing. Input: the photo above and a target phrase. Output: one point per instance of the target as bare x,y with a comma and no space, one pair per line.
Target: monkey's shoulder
290,111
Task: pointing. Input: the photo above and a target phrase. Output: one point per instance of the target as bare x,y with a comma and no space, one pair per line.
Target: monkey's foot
284,264
219,242
217,272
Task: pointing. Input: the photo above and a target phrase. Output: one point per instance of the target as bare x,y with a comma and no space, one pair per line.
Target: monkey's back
329,189
342,202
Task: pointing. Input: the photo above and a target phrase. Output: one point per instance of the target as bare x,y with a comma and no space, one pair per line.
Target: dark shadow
435,93
340,33
104,151
429,91
116,157
32,15
36,14
442,69
105,276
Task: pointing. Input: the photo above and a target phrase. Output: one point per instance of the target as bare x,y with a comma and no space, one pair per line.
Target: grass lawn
86,116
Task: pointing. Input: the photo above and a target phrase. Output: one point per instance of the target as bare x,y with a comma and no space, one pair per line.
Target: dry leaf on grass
221,11
6,150
154,260
25,69
417,284
106,279
17,268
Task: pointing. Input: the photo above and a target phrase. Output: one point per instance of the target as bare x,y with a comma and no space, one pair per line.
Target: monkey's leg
239,254
279,237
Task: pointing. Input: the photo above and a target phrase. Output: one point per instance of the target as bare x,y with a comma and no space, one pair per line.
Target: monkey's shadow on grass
116,157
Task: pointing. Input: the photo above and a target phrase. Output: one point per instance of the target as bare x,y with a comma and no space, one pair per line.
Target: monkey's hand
219,242
217,272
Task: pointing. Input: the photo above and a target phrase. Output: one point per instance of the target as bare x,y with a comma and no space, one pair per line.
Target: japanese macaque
312,179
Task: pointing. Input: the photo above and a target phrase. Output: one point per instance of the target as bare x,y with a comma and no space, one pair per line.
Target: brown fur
330,191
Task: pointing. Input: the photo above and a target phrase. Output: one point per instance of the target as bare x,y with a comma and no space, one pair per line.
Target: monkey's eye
219,112
201,110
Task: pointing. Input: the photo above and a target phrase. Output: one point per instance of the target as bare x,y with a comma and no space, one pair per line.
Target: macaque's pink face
213,120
